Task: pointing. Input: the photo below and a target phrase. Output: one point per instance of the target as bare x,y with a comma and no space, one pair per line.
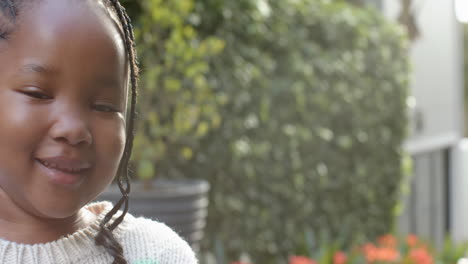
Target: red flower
375,254
388,241
339,258
412,240
301,260
420,256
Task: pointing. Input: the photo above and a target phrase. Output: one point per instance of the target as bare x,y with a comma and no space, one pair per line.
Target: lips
64,170
65,164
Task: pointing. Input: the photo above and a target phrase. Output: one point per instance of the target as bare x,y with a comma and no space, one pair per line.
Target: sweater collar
73,245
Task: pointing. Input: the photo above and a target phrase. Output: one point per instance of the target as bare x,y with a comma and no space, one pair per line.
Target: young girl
66,132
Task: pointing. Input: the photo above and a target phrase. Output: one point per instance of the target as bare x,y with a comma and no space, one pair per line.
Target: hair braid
8,14
9,8
105,237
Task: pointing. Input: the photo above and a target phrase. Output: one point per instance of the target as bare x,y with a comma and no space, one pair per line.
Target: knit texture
144,242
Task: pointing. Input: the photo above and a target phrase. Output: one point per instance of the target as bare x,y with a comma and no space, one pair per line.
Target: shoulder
463,261
150,242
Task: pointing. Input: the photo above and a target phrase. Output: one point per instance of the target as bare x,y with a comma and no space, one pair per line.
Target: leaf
145,169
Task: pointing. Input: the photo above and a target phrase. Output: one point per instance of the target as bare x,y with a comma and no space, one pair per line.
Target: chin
58,209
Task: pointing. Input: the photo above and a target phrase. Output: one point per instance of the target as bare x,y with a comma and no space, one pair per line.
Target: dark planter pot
181,204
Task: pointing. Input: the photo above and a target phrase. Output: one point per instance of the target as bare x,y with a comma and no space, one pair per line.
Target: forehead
68,35
76,16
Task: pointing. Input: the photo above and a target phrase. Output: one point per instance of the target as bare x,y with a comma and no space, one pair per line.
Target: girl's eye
37,95
105,108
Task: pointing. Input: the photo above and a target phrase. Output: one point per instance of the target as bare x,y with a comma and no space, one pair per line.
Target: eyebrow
38,68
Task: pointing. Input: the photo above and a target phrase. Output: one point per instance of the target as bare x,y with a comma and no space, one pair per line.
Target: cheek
15,116
21,129
109,143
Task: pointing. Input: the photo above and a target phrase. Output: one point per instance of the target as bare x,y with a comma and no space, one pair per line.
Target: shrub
178,105
312,130
297,124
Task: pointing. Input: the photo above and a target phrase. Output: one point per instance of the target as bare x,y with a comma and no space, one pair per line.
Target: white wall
437,78
459,193
437,86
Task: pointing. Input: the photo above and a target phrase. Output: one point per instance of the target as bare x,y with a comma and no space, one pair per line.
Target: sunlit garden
295,113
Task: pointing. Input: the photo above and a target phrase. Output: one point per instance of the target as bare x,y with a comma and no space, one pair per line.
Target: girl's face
62,104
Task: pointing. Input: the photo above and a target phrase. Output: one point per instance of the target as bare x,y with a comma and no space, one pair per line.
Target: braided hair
9,11
8,15
105,237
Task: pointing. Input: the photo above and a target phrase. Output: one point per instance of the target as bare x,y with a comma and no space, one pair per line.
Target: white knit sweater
144,242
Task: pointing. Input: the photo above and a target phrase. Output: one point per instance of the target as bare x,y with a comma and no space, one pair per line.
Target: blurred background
304,131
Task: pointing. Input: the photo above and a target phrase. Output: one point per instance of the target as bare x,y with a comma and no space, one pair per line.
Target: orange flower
388,241
412,240
301,260
420,256
368,246
339,258
374,254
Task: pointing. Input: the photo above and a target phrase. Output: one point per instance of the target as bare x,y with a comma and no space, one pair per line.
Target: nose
71,127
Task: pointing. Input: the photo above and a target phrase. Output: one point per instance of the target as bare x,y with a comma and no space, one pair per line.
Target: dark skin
62,94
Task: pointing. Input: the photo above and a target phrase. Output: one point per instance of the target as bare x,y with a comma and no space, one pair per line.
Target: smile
61,168
62,171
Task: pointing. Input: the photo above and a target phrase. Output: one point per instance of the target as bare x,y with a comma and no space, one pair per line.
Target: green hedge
311,136
311,99
178,105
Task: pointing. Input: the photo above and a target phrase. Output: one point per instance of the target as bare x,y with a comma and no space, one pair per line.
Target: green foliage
312,131
297,124
178,104
451,252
